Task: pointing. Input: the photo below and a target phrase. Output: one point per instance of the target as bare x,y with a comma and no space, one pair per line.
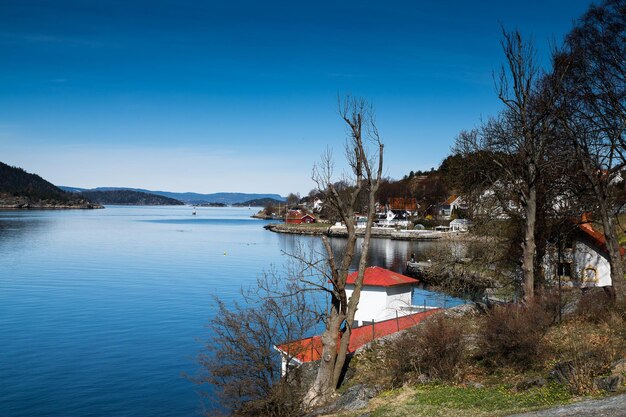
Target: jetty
320,229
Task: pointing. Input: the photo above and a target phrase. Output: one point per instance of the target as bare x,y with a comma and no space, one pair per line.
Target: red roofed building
384,295
584,261
402,203
299,217
310,349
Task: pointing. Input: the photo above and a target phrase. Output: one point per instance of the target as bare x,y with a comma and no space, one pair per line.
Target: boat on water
193,213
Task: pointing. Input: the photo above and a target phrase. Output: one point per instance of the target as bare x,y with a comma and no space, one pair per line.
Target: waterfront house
583,260
385,294
298,217
301,351
403,203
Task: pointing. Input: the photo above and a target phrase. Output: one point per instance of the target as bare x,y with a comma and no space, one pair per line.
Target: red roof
597,236
376,276
298,214
310,349
450,200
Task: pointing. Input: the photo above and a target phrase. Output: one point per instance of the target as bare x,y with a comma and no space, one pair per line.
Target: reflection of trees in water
19,230
386,253
389,254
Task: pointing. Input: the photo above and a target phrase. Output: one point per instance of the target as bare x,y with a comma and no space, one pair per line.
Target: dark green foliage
129,197
260,202
18,183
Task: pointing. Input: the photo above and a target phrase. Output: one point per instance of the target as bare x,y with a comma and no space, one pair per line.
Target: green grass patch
445,400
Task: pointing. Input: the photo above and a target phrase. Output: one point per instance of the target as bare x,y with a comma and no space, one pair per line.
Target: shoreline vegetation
26,203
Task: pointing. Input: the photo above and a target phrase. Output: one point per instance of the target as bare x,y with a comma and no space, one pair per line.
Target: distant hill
20,189
190,198
260,202
129,197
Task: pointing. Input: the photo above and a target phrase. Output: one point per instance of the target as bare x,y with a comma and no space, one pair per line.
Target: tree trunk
529,246
323,387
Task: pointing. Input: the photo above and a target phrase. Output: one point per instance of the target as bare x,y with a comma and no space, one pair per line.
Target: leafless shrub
435,350
511,335
595,306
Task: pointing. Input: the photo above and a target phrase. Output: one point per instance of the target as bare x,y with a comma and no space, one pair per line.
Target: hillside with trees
20,189
260,202
130,198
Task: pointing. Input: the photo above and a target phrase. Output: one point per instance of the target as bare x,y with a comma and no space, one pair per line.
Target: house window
564,269
590,274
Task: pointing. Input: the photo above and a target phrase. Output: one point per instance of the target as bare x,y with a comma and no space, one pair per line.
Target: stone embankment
340,231
21,203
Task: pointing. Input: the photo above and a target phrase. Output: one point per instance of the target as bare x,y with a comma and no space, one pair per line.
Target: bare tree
240,363
515,144
593,112
359,195
293,199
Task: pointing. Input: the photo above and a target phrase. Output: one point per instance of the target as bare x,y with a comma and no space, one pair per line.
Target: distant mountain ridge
189,197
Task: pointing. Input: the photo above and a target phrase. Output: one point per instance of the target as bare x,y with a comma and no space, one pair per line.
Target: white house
384,295
452,203
317,205
460,225
584,260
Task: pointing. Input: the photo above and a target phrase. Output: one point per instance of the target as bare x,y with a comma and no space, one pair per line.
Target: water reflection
17,230
386,253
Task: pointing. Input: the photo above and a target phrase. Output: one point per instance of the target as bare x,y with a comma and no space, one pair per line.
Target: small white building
584,260
384,295
460,225
317,205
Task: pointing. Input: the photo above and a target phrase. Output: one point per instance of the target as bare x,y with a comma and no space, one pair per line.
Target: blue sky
212,96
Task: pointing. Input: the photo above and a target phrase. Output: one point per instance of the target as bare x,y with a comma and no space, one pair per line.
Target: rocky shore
24,203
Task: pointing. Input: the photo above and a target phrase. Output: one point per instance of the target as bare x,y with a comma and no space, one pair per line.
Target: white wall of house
381,303
592,268
589,267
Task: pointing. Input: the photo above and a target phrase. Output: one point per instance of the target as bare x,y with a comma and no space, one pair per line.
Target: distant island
129,197
212,205
260,202
22,190
227,199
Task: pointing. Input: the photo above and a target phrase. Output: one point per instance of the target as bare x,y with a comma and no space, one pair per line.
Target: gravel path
607,407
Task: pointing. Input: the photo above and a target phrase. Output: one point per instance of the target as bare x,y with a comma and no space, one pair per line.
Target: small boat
193,213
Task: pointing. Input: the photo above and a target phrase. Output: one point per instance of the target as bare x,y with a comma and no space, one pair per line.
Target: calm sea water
102,311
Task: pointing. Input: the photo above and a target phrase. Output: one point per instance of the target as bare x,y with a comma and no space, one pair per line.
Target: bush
435,350
511,335
595,306
585,351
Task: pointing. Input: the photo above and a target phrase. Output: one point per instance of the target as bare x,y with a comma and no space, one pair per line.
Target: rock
473,384
609,383
563,372
356,397
352,399
619,367
528,383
